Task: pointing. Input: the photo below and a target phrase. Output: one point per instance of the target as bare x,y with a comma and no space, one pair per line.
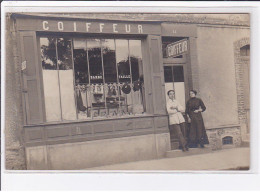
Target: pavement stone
226,159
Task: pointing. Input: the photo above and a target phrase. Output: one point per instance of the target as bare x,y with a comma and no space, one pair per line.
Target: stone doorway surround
241,63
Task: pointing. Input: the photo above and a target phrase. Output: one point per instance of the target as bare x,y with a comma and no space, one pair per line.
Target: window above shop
91,78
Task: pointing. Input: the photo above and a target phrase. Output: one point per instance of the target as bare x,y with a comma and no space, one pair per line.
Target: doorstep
192,151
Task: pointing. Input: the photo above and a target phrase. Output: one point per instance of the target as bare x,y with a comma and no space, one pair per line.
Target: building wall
14,154
81,155
216,68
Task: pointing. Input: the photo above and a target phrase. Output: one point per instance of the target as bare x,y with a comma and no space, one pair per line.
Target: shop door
174,80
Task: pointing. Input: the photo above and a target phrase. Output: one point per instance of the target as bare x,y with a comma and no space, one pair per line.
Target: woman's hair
194,91
170,91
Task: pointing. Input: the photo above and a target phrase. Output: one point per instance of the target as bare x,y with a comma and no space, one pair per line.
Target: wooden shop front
94,91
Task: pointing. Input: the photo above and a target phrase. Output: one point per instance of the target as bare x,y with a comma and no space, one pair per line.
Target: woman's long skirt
197,133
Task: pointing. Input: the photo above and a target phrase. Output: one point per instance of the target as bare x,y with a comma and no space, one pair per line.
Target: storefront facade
93,91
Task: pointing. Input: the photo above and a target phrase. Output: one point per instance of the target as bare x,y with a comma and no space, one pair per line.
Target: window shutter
31,78
156,65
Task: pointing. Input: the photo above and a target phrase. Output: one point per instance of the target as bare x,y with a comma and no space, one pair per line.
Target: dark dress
197,134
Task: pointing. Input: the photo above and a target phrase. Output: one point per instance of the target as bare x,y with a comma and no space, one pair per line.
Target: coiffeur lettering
127,27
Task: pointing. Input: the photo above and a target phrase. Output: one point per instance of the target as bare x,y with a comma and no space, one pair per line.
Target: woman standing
197,134
177,122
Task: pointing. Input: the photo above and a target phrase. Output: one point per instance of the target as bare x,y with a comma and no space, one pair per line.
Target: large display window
88,78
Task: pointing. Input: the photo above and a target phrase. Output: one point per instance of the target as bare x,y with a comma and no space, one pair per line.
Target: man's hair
170,91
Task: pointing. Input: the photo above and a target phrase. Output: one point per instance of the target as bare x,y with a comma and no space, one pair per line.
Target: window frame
71,36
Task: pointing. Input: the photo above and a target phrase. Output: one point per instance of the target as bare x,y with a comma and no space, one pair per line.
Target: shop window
58,79
92,78
227,140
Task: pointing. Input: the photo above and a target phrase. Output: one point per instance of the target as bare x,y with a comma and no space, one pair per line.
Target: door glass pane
66,79
174,80
179,85
168,78
178,74
50,79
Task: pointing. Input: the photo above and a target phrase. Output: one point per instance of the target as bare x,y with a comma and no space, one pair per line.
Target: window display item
126,88
137,86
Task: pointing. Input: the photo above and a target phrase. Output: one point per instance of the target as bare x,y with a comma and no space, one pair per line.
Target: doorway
174,80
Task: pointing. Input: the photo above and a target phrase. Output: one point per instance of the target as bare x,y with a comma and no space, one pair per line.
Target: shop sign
88,26
96,77
177,48
124,76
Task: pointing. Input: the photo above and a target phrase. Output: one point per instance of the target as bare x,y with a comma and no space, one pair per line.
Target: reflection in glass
178,74
108,78
66,79
50,79
64,53
48,53
83,94
168,76
122,60
95,61
80,61
109,60
136,59
137,76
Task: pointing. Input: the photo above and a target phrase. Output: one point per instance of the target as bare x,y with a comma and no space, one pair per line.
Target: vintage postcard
127,92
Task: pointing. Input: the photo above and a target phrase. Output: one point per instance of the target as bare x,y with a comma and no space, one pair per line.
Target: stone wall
220,19
216,135
14,152
217,73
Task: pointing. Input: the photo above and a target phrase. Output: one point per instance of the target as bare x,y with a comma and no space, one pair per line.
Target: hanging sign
177,48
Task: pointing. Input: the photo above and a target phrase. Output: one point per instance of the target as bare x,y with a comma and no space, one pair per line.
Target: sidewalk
217,160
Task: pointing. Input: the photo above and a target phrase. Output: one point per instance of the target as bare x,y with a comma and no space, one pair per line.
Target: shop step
192,151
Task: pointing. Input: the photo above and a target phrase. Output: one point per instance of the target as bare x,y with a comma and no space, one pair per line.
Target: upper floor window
91,78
